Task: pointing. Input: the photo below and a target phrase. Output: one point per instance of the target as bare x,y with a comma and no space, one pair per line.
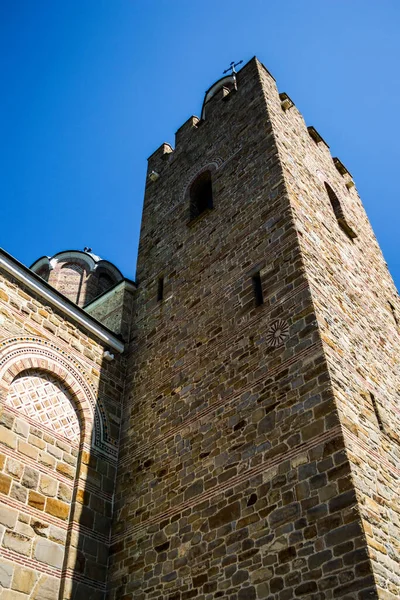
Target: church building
227,426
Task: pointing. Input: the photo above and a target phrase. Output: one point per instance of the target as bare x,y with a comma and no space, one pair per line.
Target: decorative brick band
352,438
31,563
40,567
78,483
70,575
52,520
232,482
88,532
33,512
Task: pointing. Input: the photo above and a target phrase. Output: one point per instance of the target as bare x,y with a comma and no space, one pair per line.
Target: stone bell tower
260,442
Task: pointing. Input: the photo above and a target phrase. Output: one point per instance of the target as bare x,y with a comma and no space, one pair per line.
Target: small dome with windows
79,275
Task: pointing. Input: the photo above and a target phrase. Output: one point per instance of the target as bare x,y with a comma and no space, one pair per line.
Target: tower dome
79,275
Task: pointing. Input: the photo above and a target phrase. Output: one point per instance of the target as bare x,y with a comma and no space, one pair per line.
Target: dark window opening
376,411
201,197
257,287
44,273
160,289
338,212
393,310
105,282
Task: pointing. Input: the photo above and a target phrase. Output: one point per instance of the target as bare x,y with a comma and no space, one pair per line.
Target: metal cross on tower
232,67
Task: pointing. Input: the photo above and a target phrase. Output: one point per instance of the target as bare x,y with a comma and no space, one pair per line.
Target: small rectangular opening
376,411
392,308
160,289
257,288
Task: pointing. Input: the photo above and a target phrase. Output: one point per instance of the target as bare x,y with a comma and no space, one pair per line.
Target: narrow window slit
392,308
160,289
376,411
257,288
338,212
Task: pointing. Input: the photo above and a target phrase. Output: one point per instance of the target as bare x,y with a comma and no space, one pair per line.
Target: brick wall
59,430
233,479
78,277
114,310
354,298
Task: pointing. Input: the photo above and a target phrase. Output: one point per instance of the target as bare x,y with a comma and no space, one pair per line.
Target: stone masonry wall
358,308
233,480
114,311
59,430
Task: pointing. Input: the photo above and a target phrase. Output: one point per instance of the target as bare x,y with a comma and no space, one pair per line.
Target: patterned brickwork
47,401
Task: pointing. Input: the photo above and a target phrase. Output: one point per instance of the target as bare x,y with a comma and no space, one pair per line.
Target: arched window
105,283
44,272
70,280
201,197
338,212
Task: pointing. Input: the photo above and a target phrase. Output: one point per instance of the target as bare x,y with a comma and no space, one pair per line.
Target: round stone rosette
277,333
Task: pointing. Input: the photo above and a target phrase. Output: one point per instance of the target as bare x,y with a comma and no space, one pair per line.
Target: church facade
228,425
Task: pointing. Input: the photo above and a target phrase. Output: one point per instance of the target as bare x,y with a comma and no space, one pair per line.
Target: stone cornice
53,297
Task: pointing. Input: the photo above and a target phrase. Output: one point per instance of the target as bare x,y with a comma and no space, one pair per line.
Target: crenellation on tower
187,129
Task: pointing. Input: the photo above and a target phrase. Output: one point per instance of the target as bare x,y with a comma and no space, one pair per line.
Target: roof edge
55,298
128,283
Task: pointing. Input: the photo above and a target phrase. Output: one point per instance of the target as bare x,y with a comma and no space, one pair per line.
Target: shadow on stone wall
88,539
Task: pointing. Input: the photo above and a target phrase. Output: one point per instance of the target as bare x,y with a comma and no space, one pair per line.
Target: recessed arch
43,399
204,175
19,356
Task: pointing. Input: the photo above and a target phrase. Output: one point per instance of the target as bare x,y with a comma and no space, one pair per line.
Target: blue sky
92,87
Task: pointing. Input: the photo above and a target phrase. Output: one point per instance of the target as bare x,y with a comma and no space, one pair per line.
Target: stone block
17,542
225,515
5,483
36,441
57,508
28,449
6,418
7,437
21,428
13,595
46,588
36,500
66,470
14,468
48,485
64,493
30,478
8,516
49,553
40,528
23,580
56,534
54,451
46,459
6,573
